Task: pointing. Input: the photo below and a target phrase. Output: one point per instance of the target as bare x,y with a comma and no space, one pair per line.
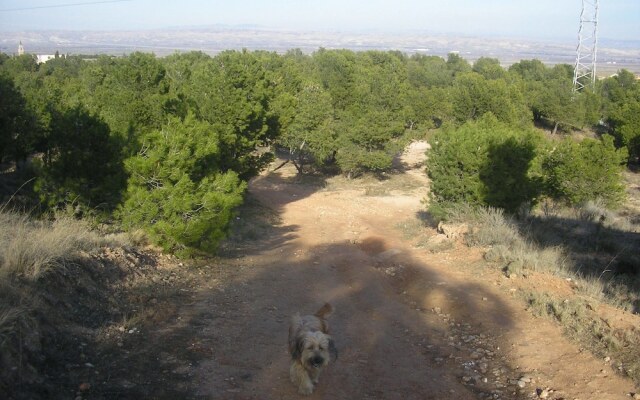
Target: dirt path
409,324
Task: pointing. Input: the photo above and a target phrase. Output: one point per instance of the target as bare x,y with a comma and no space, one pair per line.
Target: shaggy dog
311,348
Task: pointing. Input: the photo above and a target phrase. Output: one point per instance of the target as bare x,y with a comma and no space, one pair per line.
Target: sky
535,19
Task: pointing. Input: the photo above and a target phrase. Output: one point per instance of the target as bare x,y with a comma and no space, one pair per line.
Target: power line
63,5
584,72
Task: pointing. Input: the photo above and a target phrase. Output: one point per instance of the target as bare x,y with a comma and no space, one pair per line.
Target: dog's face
314,349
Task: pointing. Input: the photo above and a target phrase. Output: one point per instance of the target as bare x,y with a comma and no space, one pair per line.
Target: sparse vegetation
31,248
507,246
621,347
35,256
591,246
599,258
411,228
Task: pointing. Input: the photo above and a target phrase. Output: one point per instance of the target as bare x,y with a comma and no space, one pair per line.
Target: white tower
20,49
584,72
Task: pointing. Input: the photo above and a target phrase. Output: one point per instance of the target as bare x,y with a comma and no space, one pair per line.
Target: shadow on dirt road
408,324
403,330
391,345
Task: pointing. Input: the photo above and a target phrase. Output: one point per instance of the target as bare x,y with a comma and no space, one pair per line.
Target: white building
40,58
43,58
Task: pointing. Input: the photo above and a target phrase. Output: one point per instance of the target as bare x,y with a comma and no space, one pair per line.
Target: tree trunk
298,166
281,165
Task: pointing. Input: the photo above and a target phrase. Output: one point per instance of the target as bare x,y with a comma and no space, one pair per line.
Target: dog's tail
324,311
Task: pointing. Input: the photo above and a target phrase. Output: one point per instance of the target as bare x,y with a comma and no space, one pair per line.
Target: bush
626,122
82,164
483,163
366,142
353,160
588,170
508,247
474,96
178,191
19,132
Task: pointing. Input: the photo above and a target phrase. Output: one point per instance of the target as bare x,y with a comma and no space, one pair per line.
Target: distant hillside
612,54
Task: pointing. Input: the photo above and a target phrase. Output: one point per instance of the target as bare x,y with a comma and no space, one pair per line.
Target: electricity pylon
584,72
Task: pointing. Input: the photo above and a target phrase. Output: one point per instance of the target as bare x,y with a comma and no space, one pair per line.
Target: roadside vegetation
167,146
588,246
37,257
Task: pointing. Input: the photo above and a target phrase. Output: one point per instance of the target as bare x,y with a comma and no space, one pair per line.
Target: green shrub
353,160
366,142
484,162
82,164
577,172
178,191
473,96
626,122
310,136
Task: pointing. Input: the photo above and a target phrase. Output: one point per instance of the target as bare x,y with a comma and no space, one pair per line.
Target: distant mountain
619,44
212,39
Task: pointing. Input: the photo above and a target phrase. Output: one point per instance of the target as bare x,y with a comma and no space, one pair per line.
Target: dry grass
31,248
492,227
28,250
603,246
508,247
593,246
590,244
32,255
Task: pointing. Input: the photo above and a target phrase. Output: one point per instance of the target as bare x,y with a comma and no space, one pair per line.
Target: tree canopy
169,144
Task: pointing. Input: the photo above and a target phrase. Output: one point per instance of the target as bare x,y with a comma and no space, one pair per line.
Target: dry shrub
30,248
524,256
136,237
493,228
594,211
31,252
602,247
611,291
533,245
590,244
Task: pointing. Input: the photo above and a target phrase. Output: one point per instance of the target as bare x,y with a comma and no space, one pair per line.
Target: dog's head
314,349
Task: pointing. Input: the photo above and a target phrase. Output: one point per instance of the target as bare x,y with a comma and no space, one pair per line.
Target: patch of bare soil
409,323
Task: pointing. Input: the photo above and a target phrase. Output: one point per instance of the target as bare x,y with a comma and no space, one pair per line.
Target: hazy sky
540,19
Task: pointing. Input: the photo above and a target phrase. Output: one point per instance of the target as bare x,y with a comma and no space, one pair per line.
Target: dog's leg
314,375
300,378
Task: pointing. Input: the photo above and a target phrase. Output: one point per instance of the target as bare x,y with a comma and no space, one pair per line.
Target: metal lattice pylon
584,72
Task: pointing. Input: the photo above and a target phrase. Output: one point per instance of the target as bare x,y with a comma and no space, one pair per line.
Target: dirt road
409,324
